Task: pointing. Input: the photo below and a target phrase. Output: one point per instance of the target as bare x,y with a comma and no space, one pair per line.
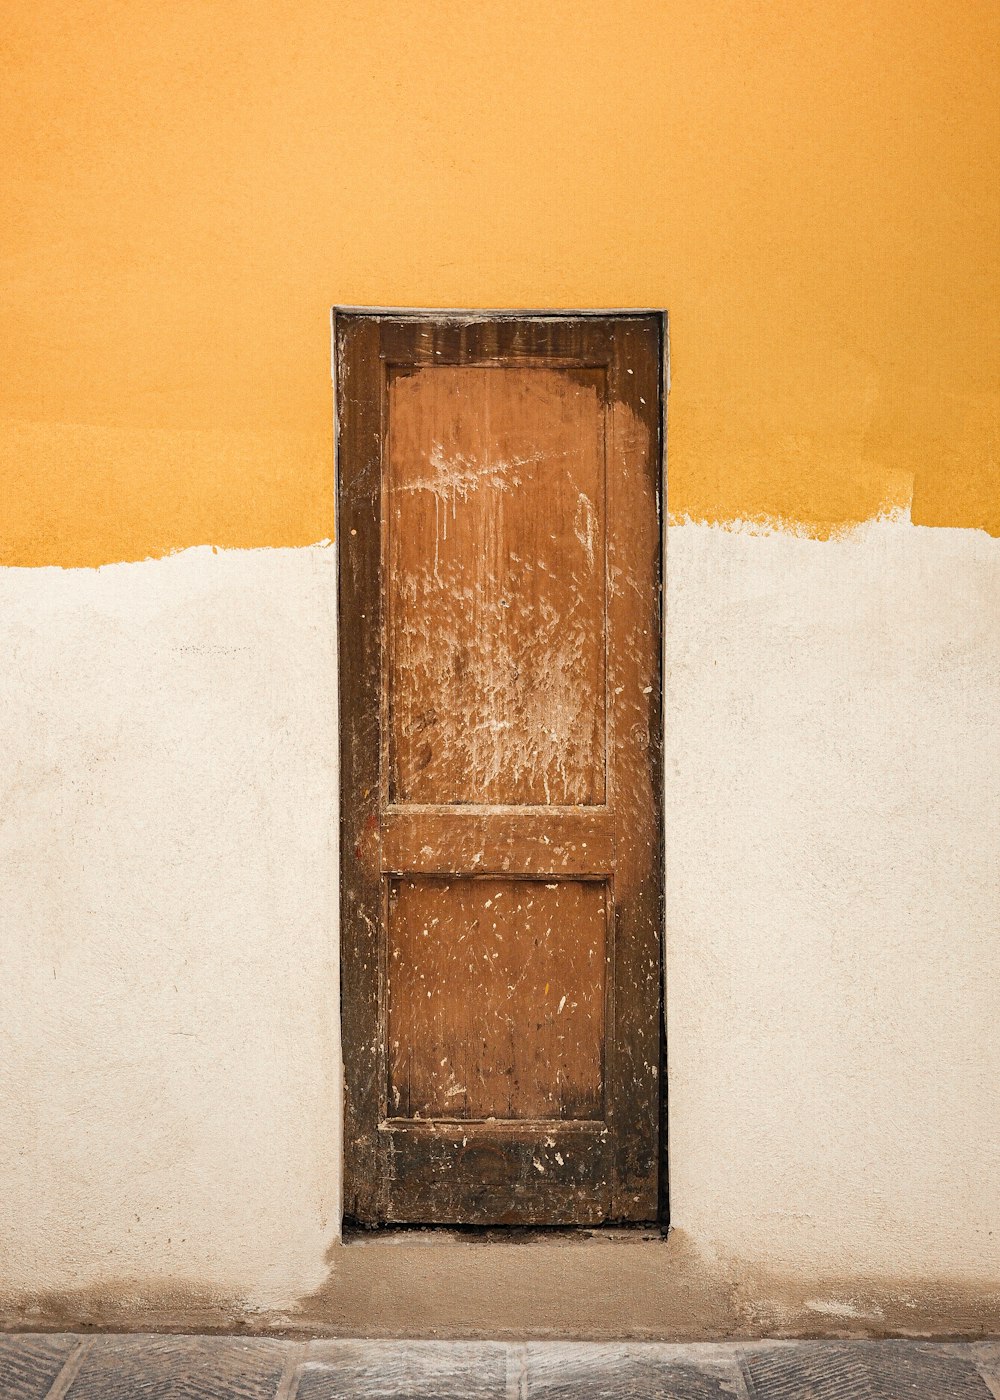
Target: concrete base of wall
600,1285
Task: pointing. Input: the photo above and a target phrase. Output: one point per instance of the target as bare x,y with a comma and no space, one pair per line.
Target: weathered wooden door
500,536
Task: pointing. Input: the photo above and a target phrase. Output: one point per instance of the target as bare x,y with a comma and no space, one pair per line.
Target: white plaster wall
169,1056
169,1049
833,898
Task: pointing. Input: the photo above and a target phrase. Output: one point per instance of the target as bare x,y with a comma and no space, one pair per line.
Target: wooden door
499,530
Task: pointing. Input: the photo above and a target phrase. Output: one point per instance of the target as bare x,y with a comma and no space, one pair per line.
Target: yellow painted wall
810,188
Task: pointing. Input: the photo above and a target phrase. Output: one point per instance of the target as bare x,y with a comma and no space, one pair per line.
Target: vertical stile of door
359,529
634,684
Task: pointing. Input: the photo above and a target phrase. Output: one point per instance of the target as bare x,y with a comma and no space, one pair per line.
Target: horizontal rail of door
461,841
535,1172
575,1131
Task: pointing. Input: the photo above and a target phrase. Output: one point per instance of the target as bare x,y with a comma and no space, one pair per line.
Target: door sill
434,1236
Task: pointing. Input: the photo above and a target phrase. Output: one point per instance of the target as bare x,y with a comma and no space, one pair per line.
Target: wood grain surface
499,486
496,617
496,998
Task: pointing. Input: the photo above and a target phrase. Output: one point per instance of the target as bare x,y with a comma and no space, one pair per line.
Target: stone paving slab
640,1370
445,1370
183,1368
29,1365
859,1370
162,1367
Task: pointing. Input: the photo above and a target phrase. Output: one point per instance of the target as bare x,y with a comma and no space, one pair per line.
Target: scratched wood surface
500,527
496,998
519,841
496,575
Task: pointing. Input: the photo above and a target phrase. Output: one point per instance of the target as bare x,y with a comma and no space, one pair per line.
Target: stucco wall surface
169,1049
833,896
809,188
168,1007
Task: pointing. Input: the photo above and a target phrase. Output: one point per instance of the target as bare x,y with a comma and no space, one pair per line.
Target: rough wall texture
809,188
833,881
168,1004
168,1010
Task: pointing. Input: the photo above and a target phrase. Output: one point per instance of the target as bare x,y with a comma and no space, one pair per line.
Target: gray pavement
158,1367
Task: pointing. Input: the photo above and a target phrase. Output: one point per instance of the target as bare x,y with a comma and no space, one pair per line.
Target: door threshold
435,1236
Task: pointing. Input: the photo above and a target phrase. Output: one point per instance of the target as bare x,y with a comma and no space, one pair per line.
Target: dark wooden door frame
359,680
